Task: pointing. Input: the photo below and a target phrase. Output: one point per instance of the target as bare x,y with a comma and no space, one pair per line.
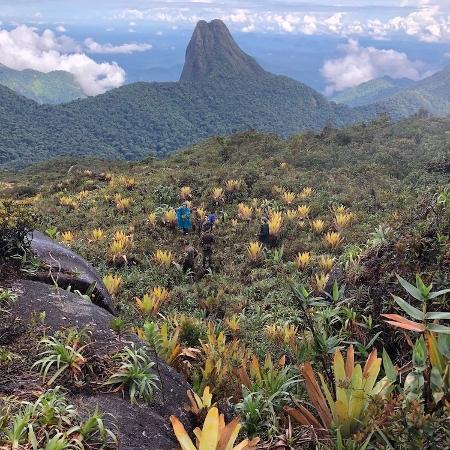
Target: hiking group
205,230
207,239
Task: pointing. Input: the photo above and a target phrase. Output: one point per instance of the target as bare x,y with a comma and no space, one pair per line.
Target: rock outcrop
67,268
212,51
44,303
141,426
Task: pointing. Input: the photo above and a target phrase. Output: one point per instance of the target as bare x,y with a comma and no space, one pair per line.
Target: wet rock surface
68,268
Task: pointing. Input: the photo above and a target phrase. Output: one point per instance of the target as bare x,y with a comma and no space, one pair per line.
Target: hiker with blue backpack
184,218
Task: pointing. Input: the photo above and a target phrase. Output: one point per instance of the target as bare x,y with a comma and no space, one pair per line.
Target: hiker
206,225
264,233
207,241
212,220
189,259
197,223
184,220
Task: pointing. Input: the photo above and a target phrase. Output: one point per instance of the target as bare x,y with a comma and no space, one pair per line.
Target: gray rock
337,274
212,50
69,269
139,426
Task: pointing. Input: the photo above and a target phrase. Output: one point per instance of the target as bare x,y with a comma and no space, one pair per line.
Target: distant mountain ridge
431,93
53,87
372,91
222,90
402,97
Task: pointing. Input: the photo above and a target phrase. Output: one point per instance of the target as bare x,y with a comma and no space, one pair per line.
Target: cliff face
212,51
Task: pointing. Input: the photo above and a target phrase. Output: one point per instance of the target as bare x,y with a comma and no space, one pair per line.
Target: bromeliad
354,388
199,404
255,251
426,320
214,435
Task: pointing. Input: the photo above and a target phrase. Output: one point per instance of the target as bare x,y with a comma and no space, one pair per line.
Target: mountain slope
372,91
385,177
271,103
432,94
53,87
142,118
230,93
32,132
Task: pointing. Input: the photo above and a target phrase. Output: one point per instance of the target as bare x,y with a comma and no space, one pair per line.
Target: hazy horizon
326,45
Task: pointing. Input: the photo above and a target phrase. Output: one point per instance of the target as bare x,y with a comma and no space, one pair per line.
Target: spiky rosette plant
354,387
215,434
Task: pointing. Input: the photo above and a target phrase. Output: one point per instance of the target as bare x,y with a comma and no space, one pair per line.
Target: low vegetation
335,335
48,421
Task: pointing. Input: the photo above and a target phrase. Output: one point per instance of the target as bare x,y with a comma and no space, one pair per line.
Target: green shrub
51,423
16,221
134,374
60,357
192,331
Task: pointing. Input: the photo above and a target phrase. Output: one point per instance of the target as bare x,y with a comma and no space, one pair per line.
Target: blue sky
330,44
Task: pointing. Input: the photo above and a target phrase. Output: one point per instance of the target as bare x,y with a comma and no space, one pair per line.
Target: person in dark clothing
207,241
264,234
197,224
212,220
206,225
189,259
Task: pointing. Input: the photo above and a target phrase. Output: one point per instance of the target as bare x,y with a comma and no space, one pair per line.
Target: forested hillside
431,94
53,87
156,118
372,91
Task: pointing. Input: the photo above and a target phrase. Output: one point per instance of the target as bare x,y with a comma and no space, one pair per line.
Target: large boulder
68,268
139,426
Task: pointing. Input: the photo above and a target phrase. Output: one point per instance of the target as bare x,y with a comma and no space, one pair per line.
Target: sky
331,45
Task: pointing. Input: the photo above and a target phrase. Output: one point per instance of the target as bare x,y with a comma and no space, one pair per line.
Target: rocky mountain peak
212,52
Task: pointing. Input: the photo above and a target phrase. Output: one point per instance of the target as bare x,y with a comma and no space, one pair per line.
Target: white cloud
424,3
159,15
309,24
249,28
295,22
61,29
240,16
131,14
24,48
334,22
376,28
95,47
360,64
428,22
